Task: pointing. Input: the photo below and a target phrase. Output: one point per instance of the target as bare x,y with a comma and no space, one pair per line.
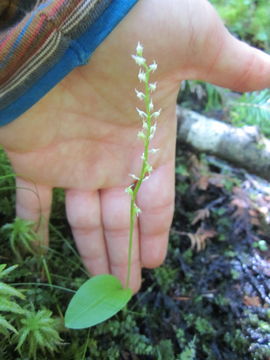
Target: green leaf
4,271
10,306
8,290
98,299
4,324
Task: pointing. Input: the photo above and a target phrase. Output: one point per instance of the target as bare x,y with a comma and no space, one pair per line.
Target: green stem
130,242
147,101
46,285
47,272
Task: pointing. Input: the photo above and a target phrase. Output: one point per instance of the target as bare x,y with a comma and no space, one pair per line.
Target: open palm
82,136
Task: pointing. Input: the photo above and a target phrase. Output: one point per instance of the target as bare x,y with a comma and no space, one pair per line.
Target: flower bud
156,114
153,86
141,113
139,49
148,168
139,60
153,131
134,177
142,76
140,94
141,135
129,190
153,151
137,210
153,67
145,125
151,105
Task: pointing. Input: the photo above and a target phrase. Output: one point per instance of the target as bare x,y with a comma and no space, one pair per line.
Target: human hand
82,136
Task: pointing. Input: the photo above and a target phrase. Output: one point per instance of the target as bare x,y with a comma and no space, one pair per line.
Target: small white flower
148,168
145,125
133,176
129,190
141,135
153,128
139,60
143,156
153,151
140,94
142,76
153,131
153,67
137,210
141,113
156,114
153,86
146,178
139,49
151,105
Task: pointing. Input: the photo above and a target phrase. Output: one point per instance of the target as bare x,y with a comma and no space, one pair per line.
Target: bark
243,147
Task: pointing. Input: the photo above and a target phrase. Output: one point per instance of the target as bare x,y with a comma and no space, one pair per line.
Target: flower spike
145,134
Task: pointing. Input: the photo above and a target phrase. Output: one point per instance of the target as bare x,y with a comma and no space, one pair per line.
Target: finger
156,200
240,67
84,217
33,202
115,215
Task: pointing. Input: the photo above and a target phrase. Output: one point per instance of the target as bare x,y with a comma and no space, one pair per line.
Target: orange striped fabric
34,35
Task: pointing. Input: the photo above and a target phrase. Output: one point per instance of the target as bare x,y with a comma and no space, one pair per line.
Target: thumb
238,66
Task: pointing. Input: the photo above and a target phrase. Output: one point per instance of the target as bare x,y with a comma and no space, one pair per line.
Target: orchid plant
102,296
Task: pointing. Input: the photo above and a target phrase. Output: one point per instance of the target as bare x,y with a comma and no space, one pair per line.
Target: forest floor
210,299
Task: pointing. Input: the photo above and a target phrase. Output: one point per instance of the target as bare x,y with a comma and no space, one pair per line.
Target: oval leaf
98,299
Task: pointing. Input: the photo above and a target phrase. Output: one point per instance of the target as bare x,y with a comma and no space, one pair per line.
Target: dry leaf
201,214
252,301
241,202
182,298
198,240
203,182
218,180
254,217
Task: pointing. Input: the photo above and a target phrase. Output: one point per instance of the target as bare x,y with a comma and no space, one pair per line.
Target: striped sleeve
41,42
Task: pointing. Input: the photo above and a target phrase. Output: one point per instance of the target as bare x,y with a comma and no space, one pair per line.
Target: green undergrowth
191,308
247,109
248,20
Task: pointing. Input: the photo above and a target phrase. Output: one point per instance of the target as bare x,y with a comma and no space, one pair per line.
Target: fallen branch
243,147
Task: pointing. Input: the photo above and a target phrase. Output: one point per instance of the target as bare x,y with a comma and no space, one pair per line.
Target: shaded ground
209,302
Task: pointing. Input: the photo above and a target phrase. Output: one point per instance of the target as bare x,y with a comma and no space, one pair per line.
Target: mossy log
243,147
